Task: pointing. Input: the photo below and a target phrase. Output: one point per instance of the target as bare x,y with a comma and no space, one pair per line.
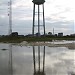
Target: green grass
32,39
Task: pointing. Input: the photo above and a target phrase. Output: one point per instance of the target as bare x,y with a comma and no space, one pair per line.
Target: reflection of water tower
39,71
38,3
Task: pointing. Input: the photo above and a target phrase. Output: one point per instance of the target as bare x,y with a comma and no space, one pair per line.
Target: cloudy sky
59,14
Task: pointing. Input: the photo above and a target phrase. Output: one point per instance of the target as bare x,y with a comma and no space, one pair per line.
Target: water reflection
6,60
40,70
10,60
18,60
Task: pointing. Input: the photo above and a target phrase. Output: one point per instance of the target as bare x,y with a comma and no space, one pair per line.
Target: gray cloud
61,26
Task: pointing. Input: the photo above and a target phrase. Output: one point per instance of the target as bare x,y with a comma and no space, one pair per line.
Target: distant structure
14,34
53,31
72,34
60,34
38,3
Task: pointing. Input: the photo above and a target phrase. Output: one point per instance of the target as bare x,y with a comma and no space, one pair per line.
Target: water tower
38,3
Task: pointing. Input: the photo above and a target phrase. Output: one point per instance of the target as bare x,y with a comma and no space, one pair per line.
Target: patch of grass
10,39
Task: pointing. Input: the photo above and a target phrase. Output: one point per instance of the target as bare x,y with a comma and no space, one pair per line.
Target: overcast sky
59,14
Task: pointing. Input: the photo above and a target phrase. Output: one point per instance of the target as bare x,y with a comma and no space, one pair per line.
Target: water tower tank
38,2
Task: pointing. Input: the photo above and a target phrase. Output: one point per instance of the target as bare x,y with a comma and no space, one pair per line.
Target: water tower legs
43,20
33,19
38,13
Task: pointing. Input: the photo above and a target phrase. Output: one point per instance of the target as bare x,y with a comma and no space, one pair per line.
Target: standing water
36,60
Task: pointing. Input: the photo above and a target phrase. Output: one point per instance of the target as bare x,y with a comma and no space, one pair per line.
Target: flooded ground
36,60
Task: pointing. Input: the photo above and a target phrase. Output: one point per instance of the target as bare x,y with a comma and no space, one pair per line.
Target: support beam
43,20
33,19
38,21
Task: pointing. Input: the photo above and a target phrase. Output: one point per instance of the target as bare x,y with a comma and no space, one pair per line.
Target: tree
49,33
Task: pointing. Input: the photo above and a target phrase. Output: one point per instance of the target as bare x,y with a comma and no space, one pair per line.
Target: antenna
53,31
10,16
